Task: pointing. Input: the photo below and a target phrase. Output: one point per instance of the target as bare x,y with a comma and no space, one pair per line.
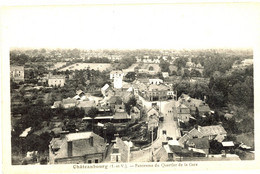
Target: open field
94,66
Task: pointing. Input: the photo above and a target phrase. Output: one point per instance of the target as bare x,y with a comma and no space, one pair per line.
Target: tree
195,73
130,76
164,65
180,62
92,113
215,147
131,103
186,73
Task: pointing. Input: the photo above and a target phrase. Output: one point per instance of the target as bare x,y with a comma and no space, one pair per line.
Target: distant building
183,113
69,102
152,112
56,80
165,74
75,148
117,77
156,92
193,103
155,81
17,73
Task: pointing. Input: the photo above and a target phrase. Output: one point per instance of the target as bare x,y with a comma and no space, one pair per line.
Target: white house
117,77
17,73
56,80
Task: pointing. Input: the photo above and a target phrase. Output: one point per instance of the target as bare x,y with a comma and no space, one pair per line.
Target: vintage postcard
116,86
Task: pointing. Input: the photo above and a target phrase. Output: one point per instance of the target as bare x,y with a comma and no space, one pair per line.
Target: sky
161,26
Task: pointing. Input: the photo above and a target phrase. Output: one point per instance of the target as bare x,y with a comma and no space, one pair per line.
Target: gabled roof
126,85
182,106
212,130
25,132
151,109
56,77
105,87
200,143
204,108
86,104
219,138
160,87
135,109
117,72
78,92
78,136
228,144
69,101
121,115
123,149
191,134
115,100
82,148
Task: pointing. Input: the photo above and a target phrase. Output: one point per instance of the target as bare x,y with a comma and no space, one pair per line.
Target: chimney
69,148
105,134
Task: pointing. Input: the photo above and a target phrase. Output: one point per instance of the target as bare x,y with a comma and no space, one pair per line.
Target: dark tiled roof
200,143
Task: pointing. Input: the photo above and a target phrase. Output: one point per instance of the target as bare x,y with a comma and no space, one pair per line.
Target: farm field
94,66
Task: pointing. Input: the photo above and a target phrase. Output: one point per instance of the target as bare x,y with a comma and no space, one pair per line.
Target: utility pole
128,156
152,144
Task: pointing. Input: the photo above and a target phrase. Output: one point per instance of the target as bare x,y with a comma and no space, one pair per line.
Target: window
96,160
115,150
89,161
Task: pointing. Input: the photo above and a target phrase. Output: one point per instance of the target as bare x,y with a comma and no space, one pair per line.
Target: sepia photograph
130,86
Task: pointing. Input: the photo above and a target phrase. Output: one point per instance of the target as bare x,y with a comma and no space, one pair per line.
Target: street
169,125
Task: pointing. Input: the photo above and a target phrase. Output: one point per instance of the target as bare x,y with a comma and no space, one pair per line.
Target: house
153,122
155,81
17,73
165,74
104,89
126,86
212,131
117,77
119,151
75,148
198,143
183,113
156,92
69,102
152,112
56,104
116,74
164,154
194,104
215,132
86,105
247,62
121,116
80,93
228,145
56,80
115,100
